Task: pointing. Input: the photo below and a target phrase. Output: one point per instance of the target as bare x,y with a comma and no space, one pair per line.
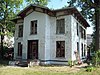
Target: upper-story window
60,26
77,29
84,34
33,29
20,31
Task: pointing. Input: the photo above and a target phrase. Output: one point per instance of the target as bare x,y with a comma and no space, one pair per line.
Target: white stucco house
51,36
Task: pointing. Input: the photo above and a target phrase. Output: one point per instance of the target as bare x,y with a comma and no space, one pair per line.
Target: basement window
60,26
33,29
60,49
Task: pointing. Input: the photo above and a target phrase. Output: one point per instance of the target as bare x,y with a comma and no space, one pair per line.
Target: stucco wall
40,36
60,37
76,38
16,39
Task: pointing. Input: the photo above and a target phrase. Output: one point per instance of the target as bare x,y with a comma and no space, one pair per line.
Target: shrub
89,69
71,63
96,59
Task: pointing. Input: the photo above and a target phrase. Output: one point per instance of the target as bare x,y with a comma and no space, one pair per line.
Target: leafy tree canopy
87,8
8,10
38,2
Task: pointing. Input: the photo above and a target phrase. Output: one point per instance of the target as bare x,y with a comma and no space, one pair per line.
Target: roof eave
22,13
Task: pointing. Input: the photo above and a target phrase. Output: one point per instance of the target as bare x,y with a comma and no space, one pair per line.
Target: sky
57,4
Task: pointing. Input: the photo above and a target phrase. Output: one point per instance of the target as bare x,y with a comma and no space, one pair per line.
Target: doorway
32,49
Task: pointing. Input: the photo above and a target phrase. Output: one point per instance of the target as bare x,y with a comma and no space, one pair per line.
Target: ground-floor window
60,48
19,49
78,47
82,49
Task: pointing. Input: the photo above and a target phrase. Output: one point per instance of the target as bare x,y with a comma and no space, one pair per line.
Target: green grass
42,70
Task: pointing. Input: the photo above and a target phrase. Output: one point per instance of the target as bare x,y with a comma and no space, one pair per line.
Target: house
51,36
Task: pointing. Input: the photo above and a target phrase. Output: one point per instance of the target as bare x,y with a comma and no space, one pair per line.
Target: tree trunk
97,22
1,50
1,46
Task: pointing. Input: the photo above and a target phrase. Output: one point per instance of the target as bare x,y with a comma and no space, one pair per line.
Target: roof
67,10
30,6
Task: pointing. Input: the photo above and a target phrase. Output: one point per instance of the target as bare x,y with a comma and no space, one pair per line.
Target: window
20,33
60,26
60,49
33,29
84,34
77,29
19,49
82,50
77,47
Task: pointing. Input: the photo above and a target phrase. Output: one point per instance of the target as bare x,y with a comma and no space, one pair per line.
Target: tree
38,2
91,11
7,12
97,23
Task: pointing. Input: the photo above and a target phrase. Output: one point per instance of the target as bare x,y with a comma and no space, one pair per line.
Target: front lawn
49,70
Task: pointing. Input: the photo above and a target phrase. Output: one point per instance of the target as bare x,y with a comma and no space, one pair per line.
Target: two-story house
51,36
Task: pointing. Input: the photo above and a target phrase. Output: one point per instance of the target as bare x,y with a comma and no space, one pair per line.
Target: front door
32,49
